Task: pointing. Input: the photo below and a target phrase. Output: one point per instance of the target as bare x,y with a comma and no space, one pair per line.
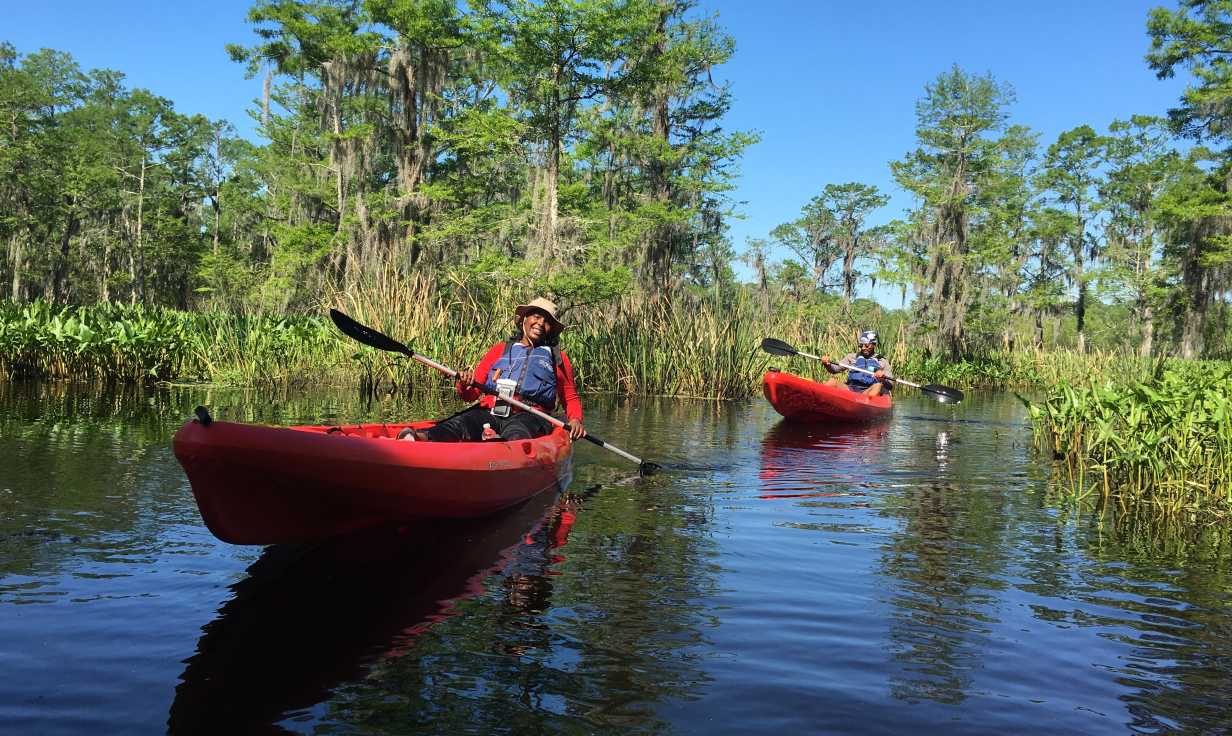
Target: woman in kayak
532,367
882,378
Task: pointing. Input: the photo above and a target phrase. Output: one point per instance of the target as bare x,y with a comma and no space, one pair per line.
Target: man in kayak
882,378
531,367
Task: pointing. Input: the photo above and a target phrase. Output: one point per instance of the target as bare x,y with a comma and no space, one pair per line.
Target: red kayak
271,485
800,399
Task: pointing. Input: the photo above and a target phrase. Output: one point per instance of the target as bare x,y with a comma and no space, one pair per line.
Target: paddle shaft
862,370
524,406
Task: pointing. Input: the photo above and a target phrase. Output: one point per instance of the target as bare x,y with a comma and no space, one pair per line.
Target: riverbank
686,349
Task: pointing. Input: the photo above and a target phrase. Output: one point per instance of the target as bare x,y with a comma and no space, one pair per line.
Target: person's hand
576,430
879,374
825,360
466,376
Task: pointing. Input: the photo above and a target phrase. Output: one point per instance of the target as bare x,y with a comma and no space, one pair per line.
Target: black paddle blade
777,347
367,335
943,394
647,468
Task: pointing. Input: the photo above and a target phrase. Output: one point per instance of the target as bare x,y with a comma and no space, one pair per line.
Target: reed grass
245,350
688,347
691,346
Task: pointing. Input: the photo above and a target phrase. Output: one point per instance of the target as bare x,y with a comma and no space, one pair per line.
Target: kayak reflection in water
880,381
529,366
308,621
819,460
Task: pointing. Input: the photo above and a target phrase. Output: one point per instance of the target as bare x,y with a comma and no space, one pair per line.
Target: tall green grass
690,346
687,347
1165,440
245,350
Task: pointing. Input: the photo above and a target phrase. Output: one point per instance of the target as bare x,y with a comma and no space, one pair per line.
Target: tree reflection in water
947,556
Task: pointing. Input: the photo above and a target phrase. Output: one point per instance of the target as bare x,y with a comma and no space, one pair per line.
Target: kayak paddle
380,341
942,394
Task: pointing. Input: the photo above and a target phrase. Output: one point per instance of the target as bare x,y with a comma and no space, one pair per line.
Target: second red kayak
800,399
270,485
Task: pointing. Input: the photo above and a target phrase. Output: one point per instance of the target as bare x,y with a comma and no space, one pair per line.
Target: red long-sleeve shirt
566,389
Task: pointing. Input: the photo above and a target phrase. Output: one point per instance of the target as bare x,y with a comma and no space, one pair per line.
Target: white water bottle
489,433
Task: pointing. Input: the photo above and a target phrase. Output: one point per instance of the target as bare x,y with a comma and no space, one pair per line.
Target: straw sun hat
543,305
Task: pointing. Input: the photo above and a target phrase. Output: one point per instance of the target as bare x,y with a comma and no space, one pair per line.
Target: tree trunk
849,272
658,263
104,288
414,89
548,218
16,260
340,192
1146,311
1147,319
216,203
58,290
137,259
132,275
1080,307
1191,333
265,98
1080,312
1196,294
946,274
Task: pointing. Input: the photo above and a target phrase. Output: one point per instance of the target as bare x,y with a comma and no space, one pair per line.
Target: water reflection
946,564
81,481
1161,587
943,450
801,460
948,554
916,576
306,620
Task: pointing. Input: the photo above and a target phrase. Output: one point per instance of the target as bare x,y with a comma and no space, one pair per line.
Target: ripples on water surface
905,577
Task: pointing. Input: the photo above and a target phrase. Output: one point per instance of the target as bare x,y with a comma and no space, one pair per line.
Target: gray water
922,575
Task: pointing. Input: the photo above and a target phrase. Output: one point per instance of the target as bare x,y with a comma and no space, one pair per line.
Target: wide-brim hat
543,305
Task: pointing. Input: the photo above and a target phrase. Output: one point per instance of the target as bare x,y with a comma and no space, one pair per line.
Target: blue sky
830,85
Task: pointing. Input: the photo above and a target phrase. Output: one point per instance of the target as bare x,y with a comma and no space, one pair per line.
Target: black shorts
857,388
468,426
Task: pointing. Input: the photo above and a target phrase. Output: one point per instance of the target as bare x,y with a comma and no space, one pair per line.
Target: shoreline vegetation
626,347
1121,429
1163,440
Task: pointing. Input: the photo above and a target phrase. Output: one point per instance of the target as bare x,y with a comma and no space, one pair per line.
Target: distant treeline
577,148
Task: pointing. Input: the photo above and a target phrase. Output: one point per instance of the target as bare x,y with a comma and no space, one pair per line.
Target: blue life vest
863,380
534,369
